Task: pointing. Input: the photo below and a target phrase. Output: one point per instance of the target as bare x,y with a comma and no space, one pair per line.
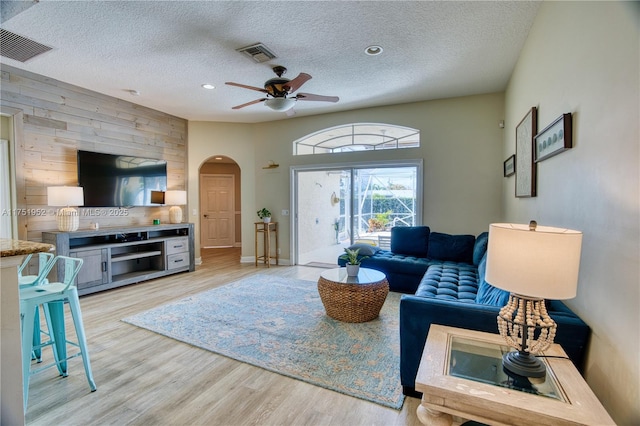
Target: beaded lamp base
526,326
68,219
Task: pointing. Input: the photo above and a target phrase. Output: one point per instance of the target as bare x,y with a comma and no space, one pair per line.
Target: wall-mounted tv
119,180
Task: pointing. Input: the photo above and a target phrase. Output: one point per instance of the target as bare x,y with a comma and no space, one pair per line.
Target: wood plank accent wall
58,119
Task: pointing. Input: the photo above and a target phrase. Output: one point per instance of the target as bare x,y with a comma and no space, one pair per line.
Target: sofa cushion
454,248
480,247
410,240
389,261
450,281
488,294
365,249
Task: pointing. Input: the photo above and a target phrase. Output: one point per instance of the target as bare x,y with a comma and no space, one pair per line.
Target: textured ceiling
167,49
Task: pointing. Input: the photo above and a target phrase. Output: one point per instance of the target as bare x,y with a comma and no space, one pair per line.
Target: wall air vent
258,52
16,47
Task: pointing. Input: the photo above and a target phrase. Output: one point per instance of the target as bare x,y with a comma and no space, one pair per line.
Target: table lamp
69,197
533,263
175,199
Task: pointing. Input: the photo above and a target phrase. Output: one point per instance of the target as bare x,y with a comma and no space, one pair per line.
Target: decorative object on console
555,138
525,166
509,166
67,197
534,263
175,199
264,214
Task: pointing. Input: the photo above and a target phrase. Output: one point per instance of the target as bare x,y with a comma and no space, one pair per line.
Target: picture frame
555,138
509,166
525,165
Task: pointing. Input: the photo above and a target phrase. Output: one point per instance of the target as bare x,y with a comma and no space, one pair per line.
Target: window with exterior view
336,207
357,137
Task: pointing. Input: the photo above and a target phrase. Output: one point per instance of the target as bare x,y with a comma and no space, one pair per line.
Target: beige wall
209,139
588,65
461,149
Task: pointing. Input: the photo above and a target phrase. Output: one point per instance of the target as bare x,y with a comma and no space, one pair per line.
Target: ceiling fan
279,89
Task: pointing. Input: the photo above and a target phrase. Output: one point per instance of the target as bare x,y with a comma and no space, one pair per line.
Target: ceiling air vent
258,52
16,47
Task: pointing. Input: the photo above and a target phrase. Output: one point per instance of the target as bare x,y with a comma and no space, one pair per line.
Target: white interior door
217,205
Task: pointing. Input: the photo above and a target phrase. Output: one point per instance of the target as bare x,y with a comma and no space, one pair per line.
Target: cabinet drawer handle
178,246
178,260
104,266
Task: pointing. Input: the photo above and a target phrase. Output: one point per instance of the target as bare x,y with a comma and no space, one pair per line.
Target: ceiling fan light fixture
280,104
373,50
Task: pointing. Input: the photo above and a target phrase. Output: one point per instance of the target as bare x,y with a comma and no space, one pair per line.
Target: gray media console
114,257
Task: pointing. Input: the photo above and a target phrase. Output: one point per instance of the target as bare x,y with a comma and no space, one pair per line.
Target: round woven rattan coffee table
353,299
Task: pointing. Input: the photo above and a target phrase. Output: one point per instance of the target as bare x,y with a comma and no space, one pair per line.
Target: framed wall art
509,167
554,138
525,166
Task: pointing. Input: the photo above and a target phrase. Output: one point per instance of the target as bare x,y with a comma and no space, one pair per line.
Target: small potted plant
265,215
353,261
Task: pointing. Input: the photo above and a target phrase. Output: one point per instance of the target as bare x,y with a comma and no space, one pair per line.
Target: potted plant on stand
265,215
353,261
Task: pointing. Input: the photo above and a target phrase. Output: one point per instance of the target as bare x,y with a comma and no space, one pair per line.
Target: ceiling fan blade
244,86
249,103
312,97
295,84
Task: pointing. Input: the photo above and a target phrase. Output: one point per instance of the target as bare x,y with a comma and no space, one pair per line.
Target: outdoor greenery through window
357,137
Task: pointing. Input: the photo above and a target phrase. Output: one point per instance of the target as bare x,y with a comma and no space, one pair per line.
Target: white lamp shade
543,263
175,198
280,104
59,196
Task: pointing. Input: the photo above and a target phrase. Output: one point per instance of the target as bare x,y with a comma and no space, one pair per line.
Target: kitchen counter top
10,247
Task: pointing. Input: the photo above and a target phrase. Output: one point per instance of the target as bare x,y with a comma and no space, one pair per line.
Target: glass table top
482,362
365,276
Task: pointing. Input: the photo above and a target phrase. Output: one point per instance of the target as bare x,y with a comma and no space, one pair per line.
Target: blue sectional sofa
413,250
443,278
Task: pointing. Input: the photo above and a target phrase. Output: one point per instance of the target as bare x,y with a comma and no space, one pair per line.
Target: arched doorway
220,203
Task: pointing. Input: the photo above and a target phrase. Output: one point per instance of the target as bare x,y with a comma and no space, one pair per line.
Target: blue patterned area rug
279,324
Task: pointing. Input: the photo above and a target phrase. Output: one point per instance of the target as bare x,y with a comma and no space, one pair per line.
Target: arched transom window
357,137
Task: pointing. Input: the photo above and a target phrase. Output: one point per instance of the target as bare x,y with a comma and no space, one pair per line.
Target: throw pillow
365,249
455,248
480,247
410,240
488,294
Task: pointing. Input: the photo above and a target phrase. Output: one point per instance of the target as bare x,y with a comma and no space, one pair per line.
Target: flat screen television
111,180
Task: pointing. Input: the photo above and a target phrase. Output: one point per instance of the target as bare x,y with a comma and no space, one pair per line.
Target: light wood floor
145,378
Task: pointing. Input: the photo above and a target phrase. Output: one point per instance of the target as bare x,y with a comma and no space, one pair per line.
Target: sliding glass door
335,207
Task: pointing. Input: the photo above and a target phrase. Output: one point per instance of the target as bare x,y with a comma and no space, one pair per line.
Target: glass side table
461,375
481,361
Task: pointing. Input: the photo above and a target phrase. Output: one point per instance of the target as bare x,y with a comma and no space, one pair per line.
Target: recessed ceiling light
209,86
373,50
217,158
